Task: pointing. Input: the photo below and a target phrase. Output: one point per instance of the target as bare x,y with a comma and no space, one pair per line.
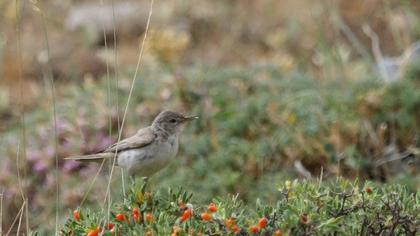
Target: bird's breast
147,160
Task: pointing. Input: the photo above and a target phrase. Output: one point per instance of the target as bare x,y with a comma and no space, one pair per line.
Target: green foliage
254,124
302,208
278,90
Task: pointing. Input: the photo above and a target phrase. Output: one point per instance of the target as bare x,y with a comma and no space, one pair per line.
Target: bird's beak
190,118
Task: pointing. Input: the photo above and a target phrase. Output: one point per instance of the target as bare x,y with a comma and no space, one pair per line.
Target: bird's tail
91,158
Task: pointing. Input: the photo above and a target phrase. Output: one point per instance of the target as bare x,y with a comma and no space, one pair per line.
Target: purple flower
50,151
40,167
70,166
33,156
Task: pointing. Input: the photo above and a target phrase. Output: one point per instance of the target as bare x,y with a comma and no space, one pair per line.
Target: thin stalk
50,75
1,212
22,111
130,93
20,212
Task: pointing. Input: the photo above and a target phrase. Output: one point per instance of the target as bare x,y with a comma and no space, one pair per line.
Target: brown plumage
149,150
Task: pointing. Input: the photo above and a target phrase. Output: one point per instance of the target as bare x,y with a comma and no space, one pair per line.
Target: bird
149,150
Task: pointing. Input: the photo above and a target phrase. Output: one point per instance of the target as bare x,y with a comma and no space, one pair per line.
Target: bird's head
171,122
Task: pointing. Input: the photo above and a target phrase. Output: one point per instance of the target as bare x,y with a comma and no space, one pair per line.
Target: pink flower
70,166
40,167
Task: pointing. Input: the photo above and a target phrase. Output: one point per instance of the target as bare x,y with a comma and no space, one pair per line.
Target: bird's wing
142,138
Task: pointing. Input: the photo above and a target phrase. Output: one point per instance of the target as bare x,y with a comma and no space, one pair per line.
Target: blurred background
284,90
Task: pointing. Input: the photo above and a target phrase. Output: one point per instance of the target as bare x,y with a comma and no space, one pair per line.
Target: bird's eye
172,120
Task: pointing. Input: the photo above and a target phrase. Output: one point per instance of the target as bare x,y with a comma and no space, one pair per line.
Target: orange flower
205,216
149,217
212,207
136,214
110,226
254,229
229,222
262,222
187,214
135,211
120,217
94,232
368,190
234,228
277,233
76,215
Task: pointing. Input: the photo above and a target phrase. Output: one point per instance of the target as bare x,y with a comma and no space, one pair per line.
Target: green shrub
255,123
302,208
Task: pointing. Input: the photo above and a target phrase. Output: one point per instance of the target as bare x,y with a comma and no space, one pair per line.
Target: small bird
149,150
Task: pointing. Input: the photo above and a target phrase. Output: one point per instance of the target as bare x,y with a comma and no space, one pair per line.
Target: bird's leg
145,179
123,184
144,184
132,179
